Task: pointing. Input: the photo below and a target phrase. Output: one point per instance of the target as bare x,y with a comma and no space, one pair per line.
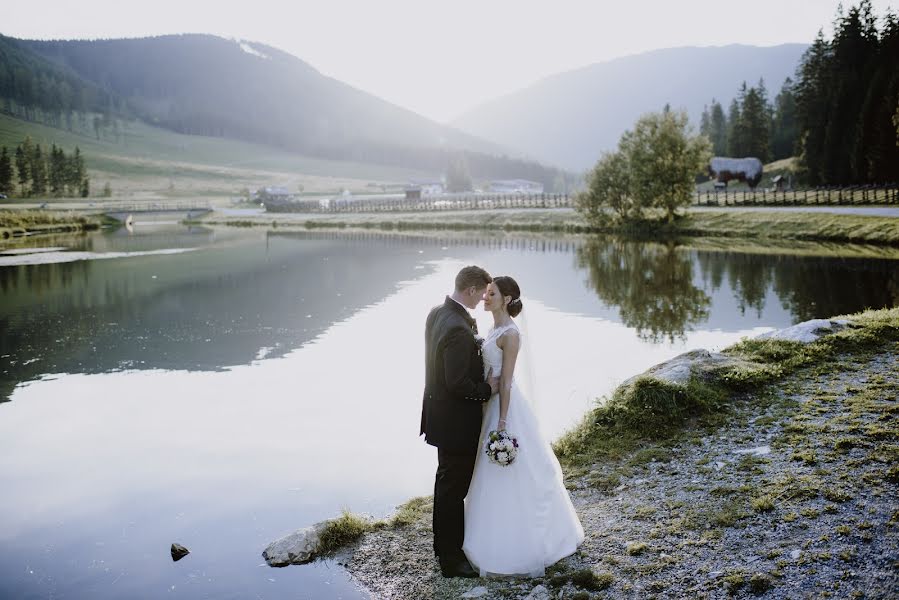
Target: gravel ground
796,498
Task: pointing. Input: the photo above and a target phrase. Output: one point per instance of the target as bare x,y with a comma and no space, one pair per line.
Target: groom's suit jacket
455,389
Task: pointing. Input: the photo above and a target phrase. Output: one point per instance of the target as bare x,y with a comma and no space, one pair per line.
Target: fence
443,202
886,194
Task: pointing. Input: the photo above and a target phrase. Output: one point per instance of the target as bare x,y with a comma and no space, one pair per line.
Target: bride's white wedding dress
518,519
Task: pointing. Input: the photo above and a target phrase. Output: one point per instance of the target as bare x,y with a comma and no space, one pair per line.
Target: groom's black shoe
459,567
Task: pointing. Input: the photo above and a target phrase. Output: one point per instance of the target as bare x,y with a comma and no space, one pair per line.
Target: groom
454,394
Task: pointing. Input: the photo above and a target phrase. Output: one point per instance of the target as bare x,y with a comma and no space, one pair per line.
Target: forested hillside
210,86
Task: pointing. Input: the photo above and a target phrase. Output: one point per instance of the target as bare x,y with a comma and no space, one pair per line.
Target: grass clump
835,494
651,407
636,548
734,582
759,583
411,511
343,530
590,580
763,504
845,443
805,456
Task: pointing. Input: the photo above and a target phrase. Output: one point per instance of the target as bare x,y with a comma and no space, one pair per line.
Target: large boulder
704,364
807,331
700,363
296,548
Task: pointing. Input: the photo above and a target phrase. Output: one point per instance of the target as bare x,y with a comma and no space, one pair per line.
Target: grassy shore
728,223
773,476
19,223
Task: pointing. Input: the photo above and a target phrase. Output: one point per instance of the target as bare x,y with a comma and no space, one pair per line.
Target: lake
222,387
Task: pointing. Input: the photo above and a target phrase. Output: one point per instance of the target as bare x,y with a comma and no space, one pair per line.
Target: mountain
211,86
568,119
29,81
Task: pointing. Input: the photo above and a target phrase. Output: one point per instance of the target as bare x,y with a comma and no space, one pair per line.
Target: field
145,162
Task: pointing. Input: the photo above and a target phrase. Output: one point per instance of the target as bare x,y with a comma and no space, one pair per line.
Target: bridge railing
154,206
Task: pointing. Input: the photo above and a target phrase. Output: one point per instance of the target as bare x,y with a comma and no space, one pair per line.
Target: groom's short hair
472,276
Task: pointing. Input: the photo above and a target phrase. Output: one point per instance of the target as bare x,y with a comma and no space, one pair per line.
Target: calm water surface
220,388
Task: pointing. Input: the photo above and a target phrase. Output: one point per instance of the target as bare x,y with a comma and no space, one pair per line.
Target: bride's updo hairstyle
509,287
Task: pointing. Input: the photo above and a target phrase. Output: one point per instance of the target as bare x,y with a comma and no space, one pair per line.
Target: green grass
146,160
411,511
635,548
649,411
760,227
341,531
792,225
19,222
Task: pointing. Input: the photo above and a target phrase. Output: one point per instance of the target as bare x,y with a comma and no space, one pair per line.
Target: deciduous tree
664,158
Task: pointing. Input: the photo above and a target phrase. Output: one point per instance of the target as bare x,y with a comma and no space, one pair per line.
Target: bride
519,518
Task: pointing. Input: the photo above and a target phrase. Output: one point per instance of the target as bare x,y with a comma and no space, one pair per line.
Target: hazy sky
440,58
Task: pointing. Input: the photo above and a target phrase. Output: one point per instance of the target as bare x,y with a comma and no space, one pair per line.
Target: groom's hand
493,381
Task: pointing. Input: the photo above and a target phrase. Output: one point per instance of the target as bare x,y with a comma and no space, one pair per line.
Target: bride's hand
501,425
492,381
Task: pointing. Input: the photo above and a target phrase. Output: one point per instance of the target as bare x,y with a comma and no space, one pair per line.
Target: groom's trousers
450,488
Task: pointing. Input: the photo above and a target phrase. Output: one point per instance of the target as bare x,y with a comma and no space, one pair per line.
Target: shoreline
721,223
759,225
776,476
18,224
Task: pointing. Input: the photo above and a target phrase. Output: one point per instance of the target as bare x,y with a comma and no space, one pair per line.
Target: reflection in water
665,290
651,284
809,287
209,309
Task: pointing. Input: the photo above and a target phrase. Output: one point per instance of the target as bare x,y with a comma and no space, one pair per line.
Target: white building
428,187
516,186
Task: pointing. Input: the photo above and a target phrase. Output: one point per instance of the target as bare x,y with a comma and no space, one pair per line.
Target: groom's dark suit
454,394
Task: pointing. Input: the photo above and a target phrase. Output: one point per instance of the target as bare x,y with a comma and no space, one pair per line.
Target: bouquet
501,448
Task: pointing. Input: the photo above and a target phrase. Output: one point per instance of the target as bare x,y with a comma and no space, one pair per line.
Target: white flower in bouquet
501,448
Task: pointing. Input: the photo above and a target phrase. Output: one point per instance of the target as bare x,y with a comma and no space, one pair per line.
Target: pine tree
458,178
755,120
736,146
6,182
38,171
23,165
875,141
784,129
896,123
813,79
705,122
56,167
718,128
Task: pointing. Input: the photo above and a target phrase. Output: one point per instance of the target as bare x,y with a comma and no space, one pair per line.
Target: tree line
840,116
31,171
34,88
753,126
847,94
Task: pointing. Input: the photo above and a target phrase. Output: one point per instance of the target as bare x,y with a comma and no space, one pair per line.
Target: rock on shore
296,548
